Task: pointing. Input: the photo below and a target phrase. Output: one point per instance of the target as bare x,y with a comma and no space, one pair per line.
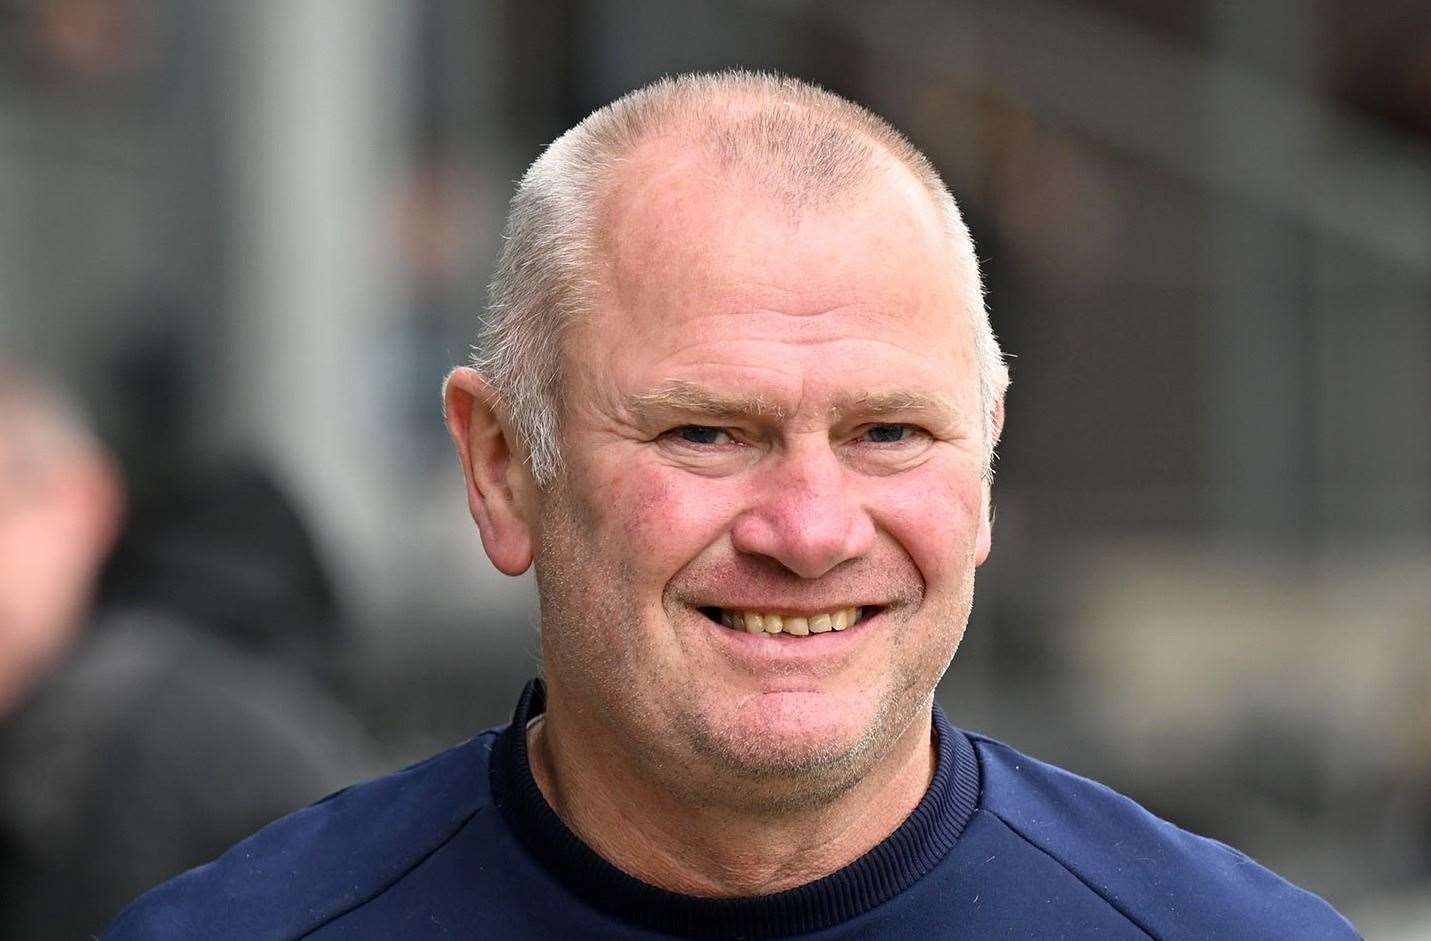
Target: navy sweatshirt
464,846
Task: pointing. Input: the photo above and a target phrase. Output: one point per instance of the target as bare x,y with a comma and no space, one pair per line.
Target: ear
500,490
983,541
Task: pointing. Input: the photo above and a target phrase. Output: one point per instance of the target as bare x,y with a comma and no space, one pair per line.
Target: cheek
662,518
935,518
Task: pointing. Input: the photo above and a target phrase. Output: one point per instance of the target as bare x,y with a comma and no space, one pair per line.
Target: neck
713,848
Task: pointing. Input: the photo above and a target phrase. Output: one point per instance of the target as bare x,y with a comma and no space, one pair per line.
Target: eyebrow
687,398
691,399
873,405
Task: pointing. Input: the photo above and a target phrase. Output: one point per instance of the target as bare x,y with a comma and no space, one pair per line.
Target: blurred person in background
736,399
135,739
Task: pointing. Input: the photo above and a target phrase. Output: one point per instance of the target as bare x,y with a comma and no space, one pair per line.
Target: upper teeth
757,622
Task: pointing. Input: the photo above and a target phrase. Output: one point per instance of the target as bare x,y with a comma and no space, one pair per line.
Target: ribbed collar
906,855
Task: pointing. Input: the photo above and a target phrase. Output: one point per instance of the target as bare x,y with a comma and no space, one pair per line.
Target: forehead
699,267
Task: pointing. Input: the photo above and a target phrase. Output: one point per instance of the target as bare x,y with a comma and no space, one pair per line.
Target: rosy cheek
665,517
934,517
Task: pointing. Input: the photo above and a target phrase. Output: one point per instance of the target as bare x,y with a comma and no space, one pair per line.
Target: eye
888,434
701,434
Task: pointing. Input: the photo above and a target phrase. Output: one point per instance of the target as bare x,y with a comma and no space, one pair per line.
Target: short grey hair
802,143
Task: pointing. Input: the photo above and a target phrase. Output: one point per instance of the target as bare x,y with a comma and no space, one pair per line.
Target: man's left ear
500,490
983,541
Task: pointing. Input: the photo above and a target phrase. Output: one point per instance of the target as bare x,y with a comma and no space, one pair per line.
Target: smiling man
736,400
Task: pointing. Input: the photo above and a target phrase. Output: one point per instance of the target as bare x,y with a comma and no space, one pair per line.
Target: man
736,400
132,744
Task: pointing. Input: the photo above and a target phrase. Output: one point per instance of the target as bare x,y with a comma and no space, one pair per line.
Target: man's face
42,562
56,521
771,411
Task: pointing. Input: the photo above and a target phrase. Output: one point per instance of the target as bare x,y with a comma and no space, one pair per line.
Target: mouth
794,625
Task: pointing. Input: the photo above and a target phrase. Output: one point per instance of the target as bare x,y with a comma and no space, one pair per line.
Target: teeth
755,622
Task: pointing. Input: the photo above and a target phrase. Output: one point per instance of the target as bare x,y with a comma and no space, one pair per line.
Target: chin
793,735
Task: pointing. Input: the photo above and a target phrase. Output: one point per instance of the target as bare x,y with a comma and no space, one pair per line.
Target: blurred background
248,239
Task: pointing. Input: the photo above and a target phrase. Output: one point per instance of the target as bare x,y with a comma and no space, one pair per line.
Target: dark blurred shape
1382,55
224,548
150,750
214,540
142,736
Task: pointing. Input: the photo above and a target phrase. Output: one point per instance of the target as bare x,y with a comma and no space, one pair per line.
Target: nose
805,513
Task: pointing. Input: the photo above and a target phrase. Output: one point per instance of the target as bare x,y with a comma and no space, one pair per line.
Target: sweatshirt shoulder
1172,883
316,864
